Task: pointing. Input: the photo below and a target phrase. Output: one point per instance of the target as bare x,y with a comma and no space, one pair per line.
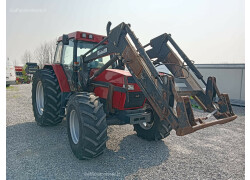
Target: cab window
58,53
67,57
83,47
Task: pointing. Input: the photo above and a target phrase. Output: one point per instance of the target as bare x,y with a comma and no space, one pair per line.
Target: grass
12,88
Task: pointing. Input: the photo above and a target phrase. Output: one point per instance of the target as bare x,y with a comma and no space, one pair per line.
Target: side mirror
65,39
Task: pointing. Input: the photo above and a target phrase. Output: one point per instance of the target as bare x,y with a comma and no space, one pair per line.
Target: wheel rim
146,125
39,98
74,126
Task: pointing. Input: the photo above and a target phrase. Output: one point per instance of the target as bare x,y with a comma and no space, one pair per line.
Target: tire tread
92,142
52,98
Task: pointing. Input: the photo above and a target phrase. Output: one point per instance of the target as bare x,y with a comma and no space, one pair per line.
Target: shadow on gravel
35,152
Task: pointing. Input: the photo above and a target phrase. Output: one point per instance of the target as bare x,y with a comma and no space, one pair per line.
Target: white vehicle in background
10,73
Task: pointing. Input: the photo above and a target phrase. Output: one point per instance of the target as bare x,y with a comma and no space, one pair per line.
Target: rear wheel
87,127
154,130
46,98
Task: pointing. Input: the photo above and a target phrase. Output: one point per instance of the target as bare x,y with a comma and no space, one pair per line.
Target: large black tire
52,98
85,113
155,130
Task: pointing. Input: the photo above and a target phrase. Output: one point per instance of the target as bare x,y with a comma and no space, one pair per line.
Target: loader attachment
187,86
168,94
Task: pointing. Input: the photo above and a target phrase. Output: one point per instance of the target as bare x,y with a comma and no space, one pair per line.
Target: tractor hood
120,99
114,76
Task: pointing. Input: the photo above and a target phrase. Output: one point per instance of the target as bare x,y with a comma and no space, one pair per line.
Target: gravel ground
35,152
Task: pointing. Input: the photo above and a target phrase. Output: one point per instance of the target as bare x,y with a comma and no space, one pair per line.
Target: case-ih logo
102,51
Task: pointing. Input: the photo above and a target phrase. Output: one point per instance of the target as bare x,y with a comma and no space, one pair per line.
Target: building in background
230,78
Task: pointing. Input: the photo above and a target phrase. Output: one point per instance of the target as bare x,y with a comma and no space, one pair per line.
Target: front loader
97,81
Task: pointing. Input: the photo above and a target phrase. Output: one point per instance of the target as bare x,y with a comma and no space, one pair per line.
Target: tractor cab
69,49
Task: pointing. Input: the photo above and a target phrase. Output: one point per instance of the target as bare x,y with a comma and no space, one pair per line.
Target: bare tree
40,54
51,49
45,53
26,57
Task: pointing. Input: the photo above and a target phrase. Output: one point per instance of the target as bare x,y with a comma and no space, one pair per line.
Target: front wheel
87,127
153,130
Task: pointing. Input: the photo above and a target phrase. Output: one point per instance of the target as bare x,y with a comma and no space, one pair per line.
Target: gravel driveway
35,152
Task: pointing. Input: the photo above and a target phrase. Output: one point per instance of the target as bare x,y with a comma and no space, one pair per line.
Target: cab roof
84,36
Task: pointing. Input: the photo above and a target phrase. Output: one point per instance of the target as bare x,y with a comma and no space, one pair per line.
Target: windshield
83,47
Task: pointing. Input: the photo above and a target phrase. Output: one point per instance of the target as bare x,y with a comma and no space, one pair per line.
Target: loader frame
160,90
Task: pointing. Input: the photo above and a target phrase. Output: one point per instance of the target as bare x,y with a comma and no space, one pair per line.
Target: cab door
67,61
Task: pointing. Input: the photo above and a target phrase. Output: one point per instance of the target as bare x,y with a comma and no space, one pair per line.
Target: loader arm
159,90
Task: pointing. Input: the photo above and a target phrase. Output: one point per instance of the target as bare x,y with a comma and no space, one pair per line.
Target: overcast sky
208,31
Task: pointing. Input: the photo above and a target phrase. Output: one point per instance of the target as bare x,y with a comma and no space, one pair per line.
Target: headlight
130,87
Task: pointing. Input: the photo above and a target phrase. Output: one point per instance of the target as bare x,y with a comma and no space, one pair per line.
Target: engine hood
113,76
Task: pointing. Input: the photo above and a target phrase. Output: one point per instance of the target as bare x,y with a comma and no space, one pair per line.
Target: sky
208,31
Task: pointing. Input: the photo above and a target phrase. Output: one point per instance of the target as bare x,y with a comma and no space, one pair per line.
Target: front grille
134,99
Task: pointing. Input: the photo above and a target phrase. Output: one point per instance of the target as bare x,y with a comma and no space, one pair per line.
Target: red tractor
96,81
